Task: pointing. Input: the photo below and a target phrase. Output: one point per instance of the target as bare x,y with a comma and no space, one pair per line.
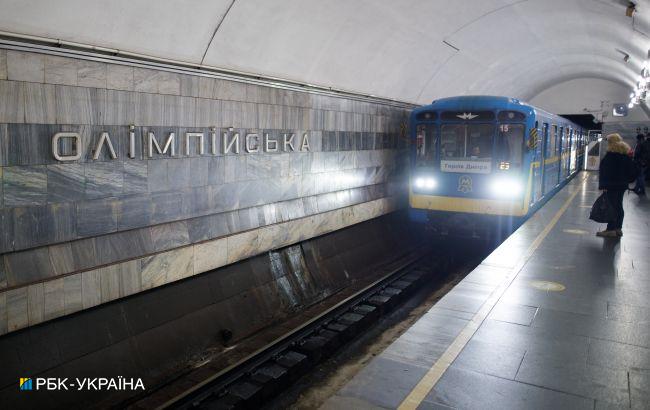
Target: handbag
602,210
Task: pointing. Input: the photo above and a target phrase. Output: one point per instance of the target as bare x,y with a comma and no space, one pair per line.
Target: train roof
486,102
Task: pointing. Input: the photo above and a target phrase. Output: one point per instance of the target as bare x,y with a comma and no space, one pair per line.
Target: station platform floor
554,318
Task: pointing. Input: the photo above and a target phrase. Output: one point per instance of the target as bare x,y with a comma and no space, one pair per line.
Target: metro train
481,161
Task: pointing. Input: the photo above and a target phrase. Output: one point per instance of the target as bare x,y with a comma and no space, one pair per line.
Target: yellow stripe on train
518,207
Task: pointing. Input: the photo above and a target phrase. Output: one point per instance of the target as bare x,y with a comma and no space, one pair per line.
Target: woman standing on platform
616,171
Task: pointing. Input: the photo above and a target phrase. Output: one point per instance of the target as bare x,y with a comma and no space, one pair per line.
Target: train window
550,146
467,116
426,116
425,143
460,141
511,116
567,138
510,145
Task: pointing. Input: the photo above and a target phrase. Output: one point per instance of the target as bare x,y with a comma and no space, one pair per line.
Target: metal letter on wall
288,142
213,134
268,142
131,141
252,143
198,135
227,145
169,145
305,143
104,138
77,146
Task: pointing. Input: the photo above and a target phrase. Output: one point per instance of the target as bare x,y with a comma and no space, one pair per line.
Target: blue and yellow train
477,159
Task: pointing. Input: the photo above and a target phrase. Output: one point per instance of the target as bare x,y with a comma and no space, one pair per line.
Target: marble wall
76,234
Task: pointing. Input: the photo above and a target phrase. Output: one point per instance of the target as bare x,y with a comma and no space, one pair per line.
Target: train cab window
425,142
510,146
466,141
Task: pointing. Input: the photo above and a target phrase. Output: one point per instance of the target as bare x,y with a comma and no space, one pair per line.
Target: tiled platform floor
579,342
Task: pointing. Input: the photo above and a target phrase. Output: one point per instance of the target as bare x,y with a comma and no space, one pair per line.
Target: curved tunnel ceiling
409,50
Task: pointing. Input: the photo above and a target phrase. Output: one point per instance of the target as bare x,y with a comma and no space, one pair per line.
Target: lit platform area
554,318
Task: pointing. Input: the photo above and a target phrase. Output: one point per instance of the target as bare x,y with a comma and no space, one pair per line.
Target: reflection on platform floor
554,318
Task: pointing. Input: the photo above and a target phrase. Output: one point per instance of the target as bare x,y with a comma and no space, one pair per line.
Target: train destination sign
227,142
466,167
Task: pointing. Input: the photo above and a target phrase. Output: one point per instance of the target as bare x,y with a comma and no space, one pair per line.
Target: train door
536,167
544,154
574,151
560,154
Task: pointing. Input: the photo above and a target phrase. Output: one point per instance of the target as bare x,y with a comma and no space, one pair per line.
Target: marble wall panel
103,179
53,299
72,296
207,87
135,177
12,95
27,266
24,185
208,113
166,267
65,182
149,109
169,83
91,288
109,279
35,303
130,278
134,212
120,108
123,245
61,258
210,255
120,77
179,111
80,105
25,66
91,74
3,64
229,90
96,217
166,206
40,103
189,85
28,144
145,80
169,236
17,309
4,156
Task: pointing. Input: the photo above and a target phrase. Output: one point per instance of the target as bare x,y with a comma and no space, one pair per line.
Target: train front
469,164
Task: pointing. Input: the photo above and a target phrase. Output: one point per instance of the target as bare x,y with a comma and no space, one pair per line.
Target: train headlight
424,183
507,187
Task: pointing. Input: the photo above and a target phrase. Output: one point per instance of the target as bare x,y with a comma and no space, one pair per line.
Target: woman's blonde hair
616,144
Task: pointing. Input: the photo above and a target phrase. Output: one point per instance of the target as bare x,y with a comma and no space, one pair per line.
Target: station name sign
228,142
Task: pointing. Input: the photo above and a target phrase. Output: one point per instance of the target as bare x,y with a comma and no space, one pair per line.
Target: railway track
270,370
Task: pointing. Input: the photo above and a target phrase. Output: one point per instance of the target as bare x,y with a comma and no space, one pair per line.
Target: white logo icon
467,116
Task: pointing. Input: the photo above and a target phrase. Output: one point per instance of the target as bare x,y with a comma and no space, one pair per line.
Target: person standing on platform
616,172
646,149
640,156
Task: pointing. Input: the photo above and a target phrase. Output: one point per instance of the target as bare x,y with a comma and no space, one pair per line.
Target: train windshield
425,146
510,145
466,147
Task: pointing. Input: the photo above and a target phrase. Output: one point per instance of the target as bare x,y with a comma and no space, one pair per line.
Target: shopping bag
602,210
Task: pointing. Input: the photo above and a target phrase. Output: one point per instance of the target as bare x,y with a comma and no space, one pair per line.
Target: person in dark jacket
640,162
646,152
616,171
